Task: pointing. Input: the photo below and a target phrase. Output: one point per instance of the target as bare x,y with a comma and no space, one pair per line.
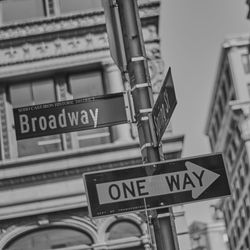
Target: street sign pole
141,89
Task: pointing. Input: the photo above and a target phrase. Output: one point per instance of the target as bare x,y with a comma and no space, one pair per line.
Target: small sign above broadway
164,106
69,116
172,183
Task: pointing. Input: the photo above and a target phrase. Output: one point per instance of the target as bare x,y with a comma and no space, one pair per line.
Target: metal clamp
129,106
143,111
164,215
144,118
146,145
141,85
138,58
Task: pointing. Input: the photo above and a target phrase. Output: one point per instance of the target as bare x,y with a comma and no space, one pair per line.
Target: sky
192,32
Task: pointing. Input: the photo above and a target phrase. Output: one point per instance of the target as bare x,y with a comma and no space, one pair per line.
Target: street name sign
172,183
164,106
69,116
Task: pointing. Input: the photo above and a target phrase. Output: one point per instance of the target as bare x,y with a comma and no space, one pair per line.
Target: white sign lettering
195,179
62,120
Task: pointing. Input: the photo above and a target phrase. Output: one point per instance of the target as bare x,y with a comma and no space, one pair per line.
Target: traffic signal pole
141,89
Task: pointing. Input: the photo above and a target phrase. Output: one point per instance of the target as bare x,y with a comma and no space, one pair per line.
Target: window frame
50,227
41,141
67,140
20,20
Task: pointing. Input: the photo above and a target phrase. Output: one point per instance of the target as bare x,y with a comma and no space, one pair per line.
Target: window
211,142
230,156
50,238
238,227
246,205
237,188
241,177
221,109
234,241
246,164
13,10
31,93
248,89
233,96
242,217
229,211
217,121
67,6
21,10
85,85
246,242
75,85
214,132
228,77
224,92
246,63
123,229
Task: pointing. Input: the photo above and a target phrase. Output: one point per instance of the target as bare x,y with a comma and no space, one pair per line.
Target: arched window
50,238
123,229
123,234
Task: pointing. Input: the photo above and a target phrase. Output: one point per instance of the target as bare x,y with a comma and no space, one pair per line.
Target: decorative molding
72,44
78,171
68,22
4,125
70,35
156,65
51,25
14,228
60,47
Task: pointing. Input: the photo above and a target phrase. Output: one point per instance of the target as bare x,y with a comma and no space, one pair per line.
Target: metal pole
141,89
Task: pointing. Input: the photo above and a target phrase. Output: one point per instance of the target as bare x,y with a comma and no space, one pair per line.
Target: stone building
229,132
57,50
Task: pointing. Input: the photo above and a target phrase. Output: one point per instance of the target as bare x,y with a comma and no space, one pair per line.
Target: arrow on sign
200,179
196,179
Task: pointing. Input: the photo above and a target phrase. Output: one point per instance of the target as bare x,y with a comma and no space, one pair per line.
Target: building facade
57,50
209,236
228,130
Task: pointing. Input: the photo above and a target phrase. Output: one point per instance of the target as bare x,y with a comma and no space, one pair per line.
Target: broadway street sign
164,106
172,183
68,116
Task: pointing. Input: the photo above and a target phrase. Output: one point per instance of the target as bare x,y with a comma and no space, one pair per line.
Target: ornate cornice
66,173
71,173
68,23
59,47
65,36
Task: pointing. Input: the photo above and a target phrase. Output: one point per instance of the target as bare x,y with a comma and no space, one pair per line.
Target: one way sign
172,182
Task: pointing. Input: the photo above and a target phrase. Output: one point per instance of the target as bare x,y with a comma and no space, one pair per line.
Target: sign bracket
129,106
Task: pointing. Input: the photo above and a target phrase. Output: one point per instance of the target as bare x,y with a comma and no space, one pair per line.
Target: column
114,84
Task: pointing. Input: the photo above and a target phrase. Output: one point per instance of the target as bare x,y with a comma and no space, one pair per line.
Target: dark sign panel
164,106
172,183
68,116
114,31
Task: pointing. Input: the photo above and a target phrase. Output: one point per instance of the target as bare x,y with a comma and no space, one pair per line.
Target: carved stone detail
40,27
78,171
50,49
156,65
69,22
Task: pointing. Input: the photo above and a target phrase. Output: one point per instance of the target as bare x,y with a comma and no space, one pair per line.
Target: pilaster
114,84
